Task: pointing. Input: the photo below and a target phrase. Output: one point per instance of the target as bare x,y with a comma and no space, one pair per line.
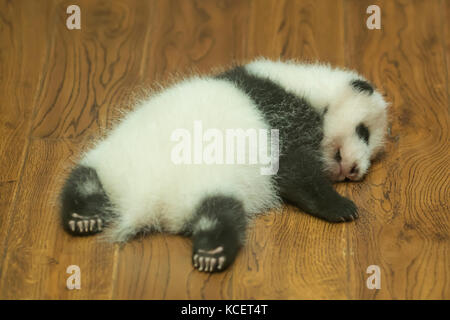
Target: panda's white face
355,120
354,129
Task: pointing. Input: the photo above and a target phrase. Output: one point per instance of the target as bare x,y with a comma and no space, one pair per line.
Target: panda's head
354,130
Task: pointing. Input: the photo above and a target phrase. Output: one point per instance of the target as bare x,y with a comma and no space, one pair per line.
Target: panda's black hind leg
85,206
218,231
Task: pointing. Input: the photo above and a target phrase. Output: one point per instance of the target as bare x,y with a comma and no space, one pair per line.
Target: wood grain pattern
445,17
405,199
38,253
287,29
90,69
20,73
60,88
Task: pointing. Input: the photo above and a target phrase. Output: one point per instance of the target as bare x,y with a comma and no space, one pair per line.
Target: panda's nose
337,156
353,173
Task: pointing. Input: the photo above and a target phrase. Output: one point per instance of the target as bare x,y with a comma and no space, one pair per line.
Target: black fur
363,132
297,121
90,205
362,86
303,183
301,178
228,231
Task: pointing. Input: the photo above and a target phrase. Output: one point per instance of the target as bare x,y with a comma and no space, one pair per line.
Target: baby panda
331,123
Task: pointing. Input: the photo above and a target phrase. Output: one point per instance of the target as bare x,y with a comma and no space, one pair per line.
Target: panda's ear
362,86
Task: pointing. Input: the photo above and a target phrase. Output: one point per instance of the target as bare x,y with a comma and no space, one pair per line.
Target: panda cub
331,123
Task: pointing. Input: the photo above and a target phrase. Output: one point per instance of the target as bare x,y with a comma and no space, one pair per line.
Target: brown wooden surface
60,87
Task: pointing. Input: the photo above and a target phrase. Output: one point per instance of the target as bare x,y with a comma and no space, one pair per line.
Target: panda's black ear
362,86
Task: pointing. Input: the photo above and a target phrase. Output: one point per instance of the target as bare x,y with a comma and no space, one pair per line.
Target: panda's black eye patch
363,132
362,86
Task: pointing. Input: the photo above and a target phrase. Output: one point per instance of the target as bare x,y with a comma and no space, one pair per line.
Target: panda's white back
144,185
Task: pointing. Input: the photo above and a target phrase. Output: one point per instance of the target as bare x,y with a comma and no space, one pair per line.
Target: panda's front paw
339,210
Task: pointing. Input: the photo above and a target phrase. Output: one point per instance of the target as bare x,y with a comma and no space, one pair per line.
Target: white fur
148,190
327,87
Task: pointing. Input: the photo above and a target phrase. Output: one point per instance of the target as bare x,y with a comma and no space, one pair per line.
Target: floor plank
22,59
306,30
38,251
404,227
90,70
445,18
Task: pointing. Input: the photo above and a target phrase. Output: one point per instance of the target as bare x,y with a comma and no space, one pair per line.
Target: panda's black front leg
303,183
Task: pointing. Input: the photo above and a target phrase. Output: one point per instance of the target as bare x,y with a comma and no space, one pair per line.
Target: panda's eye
363,132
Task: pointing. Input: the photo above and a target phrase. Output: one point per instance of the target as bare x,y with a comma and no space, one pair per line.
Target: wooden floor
60,87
